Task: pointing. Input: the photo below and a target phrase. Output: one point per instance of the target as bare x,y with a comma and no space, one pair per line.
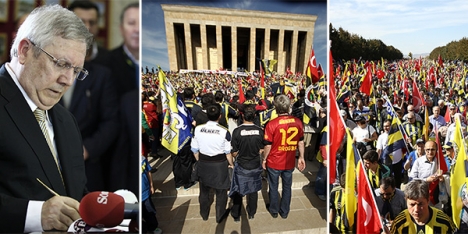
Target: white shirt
211,139
422,168
361,133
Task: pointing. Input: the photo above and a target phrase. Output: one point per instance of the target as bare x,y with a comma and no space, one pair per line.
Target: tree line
350,46
455,50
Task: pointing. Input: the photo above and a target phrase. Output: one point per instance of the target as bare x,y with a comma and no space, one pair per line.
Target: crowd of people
418,100
255,137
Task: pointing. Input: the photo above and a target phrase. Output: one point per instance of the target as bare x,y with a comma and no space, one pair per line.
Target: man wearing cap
450,154
465,108
349,123
364,133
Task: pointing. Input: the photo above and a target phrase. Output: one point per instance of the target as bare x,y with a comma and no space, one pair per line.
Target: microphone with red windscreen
106,209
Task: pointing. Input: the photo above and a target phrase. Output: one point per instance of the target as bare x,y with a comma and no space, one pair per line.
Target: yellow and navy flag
395,140
458,176
268,65
177,120
350,201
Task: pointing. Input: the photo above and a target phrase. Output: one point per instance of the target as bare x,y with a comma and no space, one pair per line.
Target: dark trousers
182,167
149,216
397,170
204,200
251,207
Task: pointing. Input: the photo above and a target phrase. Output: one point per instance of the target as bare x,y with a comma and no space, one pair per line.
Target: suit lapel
24,119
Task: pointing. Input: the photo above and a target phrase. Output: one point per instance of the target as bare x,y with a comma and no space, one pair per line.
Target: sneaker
178,188
236,220
157,231
322,197
274,215
251,217
284,216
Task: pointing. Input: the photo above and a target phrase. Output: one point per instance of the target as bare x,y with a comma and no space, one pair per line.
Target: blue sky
154,47
416,26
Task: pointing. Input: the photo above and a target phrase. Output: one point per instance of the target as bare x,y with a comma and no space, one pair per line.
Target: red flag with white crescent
418,100
312,71
368,217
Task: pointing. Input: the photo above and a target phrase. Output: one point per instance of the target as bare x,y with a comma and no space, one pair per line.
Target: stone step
163,179
181,215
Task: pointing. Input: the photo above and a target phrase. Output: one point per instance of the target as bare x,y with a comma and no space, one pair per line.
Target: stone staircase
178,210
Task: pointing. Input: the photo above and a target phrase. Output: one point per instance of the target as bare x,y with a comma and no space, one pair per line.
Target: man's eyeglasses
80,73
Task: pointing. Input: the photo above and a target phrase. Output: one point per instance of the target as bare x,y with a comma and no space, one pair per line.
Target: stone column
219,45
234,48
266,52
308,49
204,46
188,46
294,51
252,58
171,46
281,58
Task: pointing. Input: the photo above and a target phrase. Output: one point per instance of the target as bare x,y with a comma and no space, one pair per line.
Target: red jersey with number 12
284,134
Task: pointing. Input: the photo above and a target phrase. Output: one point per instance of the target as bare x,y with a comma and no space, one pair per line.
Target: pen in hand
47,187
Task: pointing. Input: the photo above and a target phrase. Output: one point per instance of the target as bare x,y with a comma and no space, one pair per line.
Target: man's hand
301,164
58,213
264,164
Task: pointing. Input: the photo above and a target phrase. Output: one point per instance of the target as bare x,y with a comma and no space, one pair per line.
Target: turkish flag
312,71
241,92
440,61
337,132
418,100
366,86
368,220
380,74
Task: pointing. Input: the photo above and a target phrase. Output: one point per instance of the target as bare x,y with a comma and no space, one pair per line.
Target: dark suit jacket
123,71
125,164
25,156
95,106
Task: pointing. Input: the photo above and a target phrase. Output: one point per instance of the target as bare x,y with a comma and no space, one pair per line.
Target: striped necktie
41,119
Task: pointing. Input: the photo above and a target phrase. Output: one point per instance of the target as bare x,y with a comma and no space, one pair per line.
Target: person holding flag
389,148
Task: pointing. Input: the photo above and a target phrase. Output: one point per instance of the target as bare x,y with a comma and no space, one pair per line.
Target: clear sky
416,26
154,47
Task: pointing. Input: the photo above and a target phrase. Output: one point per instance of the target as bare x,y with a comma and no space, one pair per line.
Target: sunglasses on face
386,194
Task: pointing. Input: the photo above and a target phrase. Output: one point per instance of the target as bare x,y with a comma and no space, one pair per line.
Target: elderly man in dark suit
42,177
